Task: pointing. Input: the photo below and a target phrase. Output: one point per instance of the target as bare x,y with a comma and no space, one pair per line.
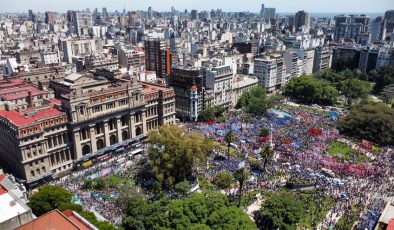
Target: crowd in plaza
299,138
102,202
301,155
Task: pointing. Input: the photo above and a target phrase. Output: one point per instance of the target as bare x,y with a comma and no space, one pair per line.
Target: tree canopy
309,90
223,179
354,89
382,77
213,112
279,211
47,198
372,121
196,211
254,101
174,152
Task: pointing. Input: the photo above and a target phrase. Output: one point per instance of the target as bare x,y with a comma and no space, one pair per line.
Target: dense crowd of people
299,138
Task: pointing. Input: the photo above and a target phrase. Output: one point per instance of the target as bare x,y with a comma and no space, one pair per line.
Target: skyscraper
104,13
194,14
389,17
79,21
354,27
50,17
32,16
269,13
262,10
378,29
302,21
150,12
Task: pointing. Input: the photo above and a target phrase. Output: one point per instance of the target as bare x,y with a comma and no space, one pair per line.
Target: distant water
332,15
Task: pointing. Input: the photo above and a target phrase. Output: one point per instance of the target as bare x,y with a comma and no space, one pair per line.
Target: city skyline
282,6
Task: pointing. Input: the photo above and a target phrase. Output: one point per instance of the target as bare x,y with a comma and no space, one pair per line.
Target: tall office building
104,13
32,16
50,17
262,10
269,13
80,22
194,14
150,12
133,18
378,29
158,57
354,27
302,21
389,17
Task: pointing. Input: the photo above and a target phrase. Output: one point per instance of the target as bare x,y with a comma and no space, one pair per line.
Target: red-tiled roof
23,95
70,215
11,83
55,101
53,220
18,89
19,119
151,88
3,190
390,226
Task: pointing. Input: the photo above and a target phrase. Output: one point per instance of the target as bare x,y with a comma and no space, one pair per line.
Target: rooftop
10,83
55,220
152,88
17,89
19,118
23,94
9,207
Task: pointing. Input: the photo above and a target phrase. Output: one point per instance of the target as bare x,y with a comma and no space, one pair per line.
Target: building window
32,173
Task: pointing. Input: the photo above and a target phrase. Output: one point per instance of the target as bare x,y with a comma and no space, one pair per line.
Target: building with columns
103,113
91,118
35,144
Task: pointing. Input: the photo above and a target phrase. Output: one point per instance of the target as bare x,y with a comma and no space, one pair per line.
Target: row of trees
211,113
197,211
309,90
324,87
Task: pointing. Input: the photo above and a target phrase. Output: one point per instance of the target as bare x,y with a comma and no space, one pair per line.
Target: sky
346,6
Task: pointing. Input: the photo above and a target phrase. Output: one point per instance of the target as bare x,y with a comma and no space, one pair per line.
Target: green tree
330,76
266,153
126,192
223,179
183,188
100,183
382,78
264,132
229,138
254,101
197,211
279,211
102,225
307,89
354,89
241,175
88,184
213,112
70,206
174,152
144,214
371,121
47,198
230,218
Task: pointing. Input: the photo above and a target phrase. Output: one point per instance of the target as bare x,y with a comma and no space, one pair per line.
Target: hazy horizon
282,6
